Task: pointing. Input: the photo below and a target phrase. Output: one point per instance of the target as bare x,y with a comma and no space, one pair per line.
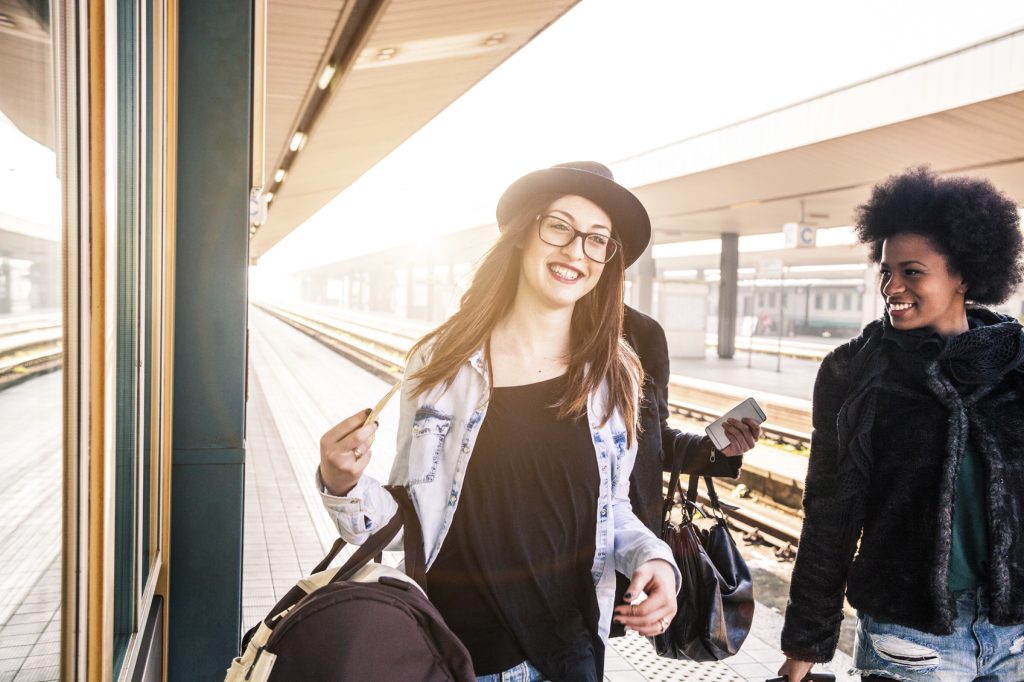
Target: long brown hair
595,334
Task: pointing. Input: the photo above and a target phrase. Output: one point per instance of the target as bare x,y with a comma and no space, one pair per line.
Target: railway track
383,354
24,353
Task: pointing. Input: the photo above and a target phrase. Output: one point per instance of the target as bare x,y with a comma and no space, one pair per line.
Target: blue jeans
524,672
976,649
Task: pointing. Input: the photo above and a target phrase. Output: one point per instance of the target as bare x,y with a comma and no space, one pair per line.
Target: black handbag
716,602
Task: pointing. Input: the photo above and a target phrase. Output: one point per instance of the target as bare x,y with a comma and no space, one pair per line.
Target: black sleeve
833,516
697,454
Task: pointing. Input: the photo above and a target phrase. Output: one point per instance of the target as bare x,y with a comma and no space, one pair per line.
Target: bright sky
612,79
29,188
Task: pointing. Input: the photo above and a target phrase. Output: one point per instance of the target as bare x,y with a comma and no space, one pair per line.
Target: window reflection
30,345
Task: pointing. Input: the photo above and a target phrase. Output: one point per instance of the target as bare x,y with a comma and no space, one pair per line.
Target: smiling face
918,287
558,276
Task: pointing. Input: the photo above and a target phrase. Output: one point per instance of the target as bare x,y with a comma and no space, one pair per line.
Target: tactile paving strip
640,654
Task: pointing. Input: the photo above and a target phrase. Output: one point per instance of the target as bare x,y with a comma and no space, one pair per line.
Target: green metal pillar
215,54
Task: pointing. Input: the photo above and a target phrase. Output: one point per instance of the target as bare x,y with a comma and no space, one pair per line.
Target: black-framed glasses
556,232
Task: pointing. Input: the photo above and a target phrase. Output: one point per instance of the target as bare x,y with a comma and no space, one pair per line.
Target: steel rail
778,434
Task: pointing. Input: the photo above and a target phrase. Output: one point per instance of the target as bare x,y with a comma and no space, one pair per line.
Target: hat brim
630,222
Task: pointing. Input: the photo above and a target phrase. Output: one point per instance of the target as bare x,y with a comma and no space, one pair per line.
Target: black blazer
658,443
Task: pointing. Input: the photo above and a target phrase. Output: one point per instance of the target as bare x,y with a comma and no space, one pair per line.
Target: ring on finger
358,453
632,609
664,624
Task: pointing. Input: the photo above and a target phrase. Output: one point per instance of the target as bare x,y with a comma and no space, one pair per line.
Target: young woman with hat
915,485
517,437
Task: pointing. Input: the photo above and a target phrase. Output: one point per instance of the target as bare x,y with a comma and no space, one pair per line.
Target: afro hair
974,225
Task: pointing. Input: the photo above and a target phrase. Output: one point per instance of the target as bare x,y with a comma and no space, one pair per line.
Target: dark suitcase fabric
362,625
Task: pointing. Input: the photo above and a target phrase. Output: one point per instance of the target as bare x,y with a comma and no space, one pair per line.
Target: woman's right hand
345,452
794,670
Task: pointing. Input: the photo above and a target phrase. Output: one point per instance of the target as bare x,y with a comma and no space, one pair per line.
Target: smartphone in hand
748,408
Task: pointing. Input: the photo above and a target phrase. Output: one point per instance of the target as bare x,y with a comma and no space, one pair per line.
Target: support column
431,294
728,291
644,274
410,292
870,300
208,467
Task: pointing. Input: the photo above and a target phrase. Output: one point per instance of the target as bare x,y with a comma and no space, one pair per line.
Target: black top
513,576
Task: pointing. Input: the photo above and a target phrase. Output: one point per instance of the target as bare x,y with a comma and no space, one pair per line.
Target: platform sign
257,206
800,235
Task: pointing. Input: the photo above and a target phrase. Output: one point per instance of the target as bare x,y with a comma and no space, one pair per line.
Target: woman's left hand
652,616
742,435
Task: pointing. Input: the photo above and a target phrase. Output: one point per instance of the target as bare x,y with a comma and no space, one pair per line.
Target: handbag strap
415,561
691,492
670,497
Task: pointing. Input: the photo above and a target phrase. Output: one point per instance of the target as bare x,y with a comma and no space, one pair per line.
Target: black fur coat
892,413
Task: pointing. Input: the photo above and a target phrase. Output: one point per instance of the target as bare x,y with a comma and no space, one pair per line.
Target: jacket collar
926,339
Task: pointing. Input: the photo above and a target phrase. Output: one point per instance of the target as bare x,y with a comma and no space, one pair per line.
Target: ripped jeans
524,672
976,649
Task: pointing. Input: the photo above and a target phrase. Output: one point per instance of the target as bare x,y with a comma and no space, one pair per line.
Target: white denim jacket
436,436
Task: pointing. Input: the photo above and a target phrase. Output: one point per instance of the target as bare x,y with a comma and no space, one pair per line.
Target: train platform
30,526
298,389
757,373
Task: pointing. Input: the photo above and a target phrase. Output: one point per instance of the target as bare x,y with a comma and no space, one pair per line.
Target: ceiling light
387,53
279,175
326,76
269,196
495,39
298,140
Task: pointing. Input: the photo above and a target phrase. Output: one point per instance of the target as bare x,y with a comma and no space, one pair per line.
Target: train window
771,300
847,302
832,301
817,301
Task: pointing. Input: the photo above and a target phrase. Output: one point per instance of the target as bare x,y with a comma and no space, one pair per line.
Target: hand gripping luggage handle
415,560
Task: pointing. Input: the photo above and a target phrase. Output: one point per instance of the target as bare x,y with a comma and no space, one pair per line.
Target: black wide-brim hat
591,180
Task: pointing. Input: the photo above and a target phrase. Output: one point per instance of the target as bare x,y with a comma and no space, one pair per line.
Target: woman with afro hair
918,450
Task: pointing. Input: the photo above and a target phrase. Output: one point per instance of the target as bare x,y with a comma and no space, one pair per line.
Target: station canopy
814,161
396,64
